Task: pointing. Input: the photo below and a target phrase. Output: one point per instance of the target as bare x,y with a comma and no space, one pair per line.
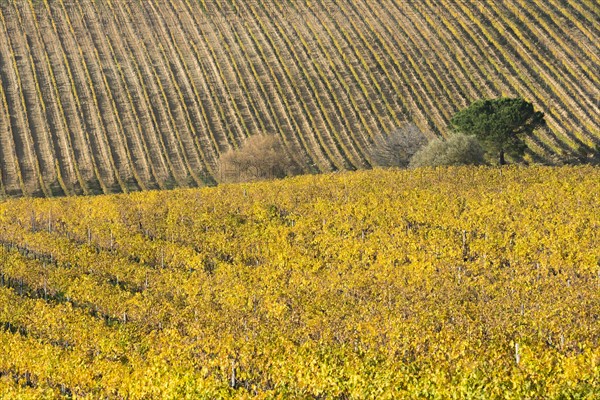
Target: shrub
458,149
259,157
396,148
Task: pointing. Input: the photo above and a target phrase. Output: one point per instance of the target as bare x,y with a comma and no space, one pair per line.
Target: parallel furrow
151,69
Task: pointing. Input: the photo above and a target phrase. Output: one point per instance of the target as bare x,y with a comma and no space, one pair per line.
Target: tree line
489,131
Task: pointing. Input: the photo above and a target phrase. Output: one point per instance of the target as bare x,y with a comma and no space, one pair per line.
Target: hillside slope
104,96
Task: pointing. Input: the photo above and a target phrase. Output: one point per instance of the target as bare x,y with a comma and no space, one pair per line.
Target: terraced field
115,95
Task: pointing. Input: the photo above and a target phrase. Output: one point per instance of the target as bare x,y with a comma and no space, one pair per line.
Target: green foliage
500,124
458,149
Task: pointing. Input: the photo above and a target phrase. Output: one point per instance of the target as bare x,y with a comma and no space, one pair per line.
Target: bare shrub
259,157
458,149
396,148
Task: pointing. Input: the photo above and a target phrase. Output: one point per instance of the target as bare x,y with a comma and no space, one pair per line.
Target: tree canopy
500,124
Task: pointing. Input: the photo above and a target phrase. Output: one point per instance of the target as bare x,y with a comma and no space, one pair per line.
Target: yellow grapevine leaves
435,283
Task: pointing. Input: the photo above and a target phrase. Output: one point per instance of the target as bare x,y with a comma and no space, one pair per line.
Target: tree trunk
502,160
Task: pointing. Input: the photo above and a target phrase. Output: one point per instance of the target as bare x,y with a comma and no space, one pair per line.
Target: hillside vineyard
110,96
366,285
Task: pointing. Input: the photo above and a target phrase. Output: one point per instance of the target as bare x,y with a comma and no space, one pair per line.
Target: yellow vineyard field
448,283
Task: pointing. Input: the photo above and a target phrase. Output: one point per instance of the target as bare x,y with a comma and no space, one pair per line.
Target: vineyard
121,95
434,283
